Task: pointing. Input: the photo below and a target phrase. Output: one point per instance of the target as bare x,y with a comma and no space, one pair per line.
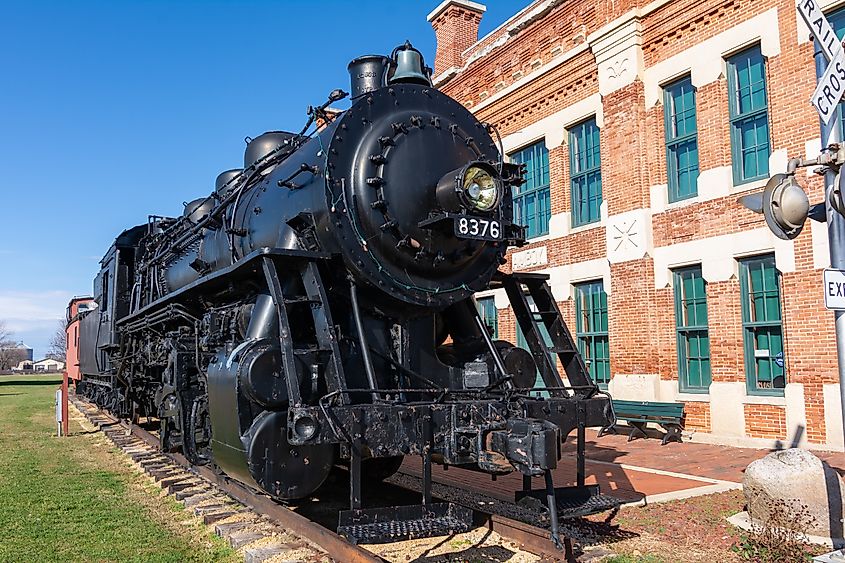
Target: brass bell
408,66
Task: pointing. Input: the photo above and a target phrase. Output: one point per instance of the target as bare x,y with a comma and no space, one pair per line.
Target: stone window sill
773,400
693,397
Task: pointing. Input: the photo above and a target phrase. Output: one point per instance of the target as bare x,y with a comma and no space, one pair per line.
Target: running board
572,502
399,523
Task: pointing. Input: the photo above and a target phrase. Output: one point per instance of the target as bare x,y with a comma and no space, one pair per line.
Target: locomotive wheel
374,469
377,469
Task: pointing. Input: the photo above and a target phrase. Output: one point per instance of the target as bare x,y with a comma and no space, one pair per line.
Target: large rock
793,488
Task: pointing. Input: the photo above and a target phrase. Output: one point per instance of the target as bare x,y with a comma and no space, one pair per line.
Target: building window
681,139
585,172
591,329
761,326
691,330
487,310
545,337
532,201
748,115
837,22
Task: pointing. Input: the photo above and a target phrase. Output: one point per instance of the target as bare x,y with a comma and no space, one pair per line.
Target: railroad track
265,530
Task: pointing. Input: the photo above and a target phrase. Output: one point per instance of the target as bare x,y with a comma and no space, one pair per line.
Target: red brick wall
697,416
765,421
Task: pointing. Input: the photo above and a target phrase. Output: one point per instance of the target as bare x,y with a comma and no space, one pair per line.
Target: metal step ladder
519,288
561,502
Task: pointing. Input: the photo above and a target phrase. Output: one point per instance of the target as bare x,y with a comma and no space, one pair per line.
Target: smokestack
367,74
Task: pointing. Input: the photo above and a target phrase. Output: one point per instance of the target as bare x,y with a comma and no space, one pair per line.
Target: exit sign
834,289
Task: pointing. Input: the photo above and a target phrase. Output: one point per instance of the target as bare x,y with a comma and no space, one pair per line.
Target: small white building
49,365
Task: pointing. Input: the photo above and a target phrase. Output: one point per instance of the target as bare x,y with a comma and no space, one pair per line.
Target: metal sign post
65,419
831,86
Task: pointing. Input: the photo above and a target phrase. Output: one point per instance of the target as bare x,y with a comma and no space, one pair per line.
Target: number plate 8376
467,226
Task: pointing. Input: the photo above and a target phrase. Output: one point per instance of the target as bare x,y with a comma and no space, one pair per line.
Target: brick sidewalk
692,458
629,470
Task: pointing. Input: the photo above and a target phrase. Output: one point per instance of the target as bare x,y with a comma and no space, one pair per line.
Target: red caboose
77,306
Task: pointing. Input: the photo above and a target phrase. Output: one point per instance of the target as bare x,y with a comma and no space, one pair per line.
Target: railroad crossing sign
831,85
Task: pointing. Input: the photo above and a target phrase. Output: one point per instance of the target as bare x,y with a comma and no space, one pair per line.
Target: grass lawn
76,499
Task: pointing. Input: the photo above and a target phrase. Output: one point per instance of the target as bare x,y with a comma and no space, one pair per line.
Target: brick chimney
455,24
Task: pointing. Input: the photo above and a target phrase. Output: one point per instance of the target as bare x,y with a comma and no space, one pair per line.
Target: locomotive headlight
475,186
480,188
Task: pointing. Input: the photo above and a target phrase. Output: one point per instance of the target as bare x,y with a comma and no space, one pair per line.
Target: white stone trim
705,61
832,415
619,54
530,258
715,183
500,297
561,278
560,224
746,442
629,236
771,400
554,127
821,245
635,386
727,413
691,397
445,75
813,147
718,255
473,6
536,10
796,412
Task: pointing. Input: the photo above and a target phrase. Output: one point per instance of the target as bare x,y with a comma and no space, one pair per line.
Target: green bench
639,413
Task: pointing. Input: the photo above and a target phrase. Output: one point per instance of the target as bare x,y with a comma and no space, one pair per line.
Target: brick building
640,124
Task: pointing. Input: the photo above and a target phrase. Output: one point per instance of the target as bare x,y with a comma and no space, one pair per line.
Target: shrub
779,535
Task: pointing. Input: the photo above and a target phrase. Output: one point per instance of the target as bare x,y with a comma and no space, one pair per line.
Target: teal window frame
546,338
691,330
591,330
489,314
585,172
749,115
762,325
679,117
532,201
836,19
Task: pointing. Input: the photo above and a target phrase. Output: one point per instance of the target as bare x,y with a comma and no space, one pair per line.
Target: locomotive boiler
317,310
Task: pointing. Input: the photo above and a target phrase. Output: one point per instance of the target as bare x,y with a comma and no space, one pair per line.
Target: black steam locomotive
317,309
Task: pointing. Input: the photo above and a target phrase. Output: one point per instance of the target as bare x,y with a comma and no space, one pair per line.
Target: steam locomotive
317,309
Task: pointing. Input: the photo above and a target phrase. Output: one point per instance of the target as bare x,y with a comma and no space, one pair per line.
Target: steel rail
334,545
530,538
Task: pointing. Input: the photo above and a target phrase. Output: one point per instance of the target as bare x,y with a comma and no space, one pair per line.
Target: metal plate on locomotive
473,227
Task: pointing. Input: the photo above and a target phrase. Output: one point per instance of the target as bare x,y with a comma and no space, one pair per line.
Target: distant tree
11,352
5,334
58,344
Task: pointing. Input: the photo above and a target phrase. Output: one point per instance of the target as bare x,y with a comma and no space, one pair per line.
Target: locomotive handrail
472,392
264,251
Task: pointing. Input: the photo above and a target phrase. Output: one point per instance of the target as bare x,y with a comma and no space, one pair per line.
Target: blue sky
110,111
